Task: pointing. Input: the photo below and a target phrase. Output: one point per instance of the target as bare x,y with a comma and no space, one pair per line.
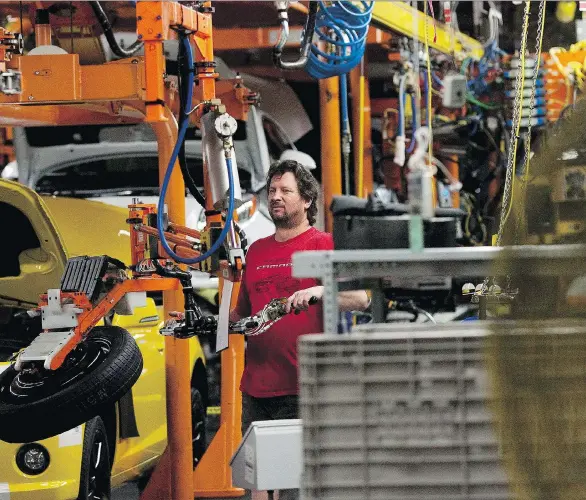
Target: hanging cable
184,71
165,185
344,27
508,191
109,34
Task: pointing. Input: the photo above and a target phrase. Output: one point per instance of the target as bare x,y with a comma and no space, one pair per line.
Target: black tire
94,481
198,426
37,404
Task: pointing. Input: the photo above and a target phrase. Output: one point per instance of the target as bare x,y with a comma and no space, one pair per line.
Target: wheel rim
98,469
33,382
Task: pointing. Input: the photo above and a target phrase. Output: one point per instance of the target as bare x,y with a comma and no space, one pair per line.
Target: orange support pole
363,178
213,475
176,466
174,476
331,148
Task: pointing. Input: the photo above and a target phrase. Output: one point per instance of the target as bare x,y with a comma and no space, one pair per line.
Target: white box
269,456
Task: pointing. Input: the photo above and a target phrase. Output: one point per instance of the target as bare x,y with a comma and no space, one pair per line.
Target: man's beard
286,220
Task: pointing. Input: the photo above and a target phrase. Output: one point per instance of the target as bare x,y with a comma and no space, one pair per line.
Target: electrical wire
184,71
161,204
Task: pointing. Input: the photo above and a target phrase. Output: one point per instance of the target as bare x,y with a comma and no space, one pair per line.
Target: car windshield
122,176
41,137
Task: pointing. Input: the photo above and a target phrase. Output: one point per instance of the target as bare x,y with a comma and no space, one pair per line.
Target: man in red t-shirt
269,384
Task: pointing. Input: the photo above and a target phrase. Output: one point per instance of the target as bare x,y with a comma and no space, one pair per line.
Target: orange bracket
91,316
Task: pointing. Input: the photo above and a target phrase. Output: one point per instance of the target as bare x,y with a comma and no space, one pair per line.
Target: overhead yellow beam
399,17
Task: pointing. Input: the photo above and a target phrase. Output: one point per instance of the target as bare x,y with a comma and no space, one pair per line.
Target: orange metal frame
92,314
57,90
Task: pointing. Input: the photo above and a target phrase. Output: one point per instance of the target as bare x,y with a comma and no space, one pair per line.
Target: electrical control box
454,95
269,456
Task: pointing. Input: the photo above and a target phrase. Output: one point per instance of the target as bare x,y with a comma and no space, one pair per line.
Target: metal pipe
305,43
177,364
42,28
331,154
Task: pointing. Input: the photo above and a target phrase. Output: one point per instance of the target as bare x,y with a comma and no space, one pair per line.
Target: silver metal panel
44,347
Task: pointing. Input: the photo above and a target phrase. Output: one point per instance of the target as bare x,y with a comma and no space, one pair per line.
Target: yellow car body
67,228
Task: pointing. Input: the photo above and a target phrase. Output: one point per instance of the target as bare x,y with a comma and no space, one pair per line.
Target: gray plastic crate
399,413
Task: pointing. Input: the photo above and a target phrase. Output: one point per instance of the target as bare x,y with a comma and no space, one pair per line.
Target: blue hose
167,178
426,85
411,147
437,80
349,24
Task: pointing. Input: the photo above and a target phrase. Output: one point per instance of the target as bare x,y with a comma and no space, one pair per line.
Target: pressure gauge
225,125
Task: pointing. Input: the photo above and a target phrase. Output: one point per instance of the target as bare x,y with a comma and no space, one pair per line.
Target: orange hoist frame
58,90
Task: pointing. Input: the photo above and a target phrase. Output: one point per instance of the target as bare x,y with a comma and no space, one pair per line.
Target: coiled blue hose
343,26
161,205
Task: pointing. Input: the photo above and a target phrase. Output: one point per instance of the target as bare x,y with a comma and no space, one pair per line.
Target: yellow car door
148,393
32,255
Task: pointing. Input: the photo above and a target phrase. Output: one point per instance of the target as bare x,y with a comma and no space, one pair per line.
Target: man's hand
300,299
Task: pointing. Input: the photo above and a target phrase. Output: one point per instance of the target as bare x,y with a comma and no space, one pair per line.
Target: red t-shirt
271,357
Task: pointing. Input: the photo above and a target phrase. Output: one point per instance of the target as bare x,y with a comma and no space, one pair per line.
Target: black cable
109,34
181,73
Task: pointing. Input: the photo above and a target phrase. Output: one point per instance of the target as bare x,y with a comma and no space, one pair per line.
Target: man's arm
242,309
355,300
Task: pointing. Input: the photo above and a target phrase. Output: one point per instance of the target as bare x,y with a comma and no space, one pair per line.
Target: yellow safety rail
400,17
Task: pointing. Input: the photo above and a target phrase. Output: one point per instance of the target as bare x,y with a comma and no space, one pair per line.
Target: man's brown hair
306,183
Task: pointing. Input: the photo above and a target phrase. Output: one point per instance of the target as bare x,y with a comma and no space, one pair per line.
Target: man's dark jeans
275,408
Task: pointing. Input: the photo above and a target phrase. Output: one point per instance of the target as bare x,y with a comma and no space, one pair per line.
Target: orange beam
171,237
367,175
213,475
69,114
331,153
266,38
61,79
185,230
177,364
